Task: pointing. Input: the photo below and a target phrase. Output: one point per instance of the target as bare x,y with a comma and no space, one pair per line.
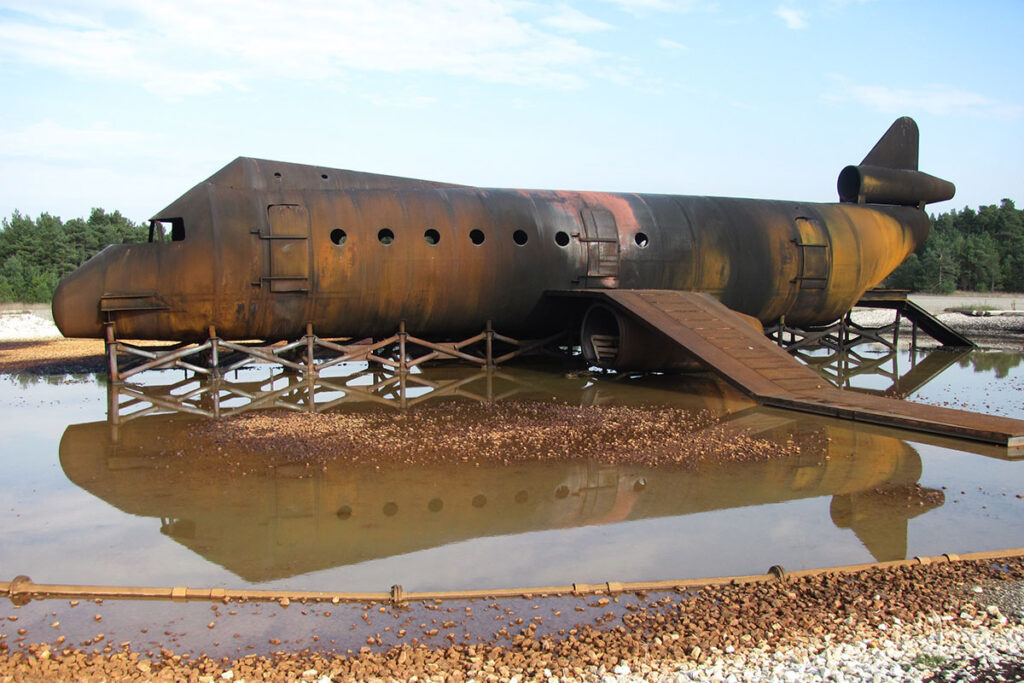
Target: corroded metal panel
288,246
601,238
814,253
263,248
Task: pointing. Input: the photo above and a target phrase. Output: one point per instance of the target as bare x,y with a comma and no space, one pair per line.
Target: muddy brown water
159,500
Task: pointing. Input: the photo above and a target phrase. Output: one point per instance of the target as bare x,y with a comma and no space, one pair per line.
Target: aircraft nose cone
76,304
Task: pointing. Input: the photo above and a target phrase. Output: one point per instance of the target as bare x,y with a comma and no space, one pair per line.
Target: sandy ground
998,301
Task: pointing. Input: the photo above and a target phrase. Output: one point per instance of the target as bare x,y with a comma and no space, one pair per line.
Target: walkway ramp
928,323
729,346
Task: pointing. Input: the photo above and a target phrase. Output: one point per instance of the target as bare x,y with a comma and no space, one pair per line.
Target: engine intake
612,339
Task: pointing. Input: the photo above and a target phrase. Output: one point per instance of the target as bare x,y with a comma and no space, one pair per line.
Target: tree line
970,250
36,254
979,251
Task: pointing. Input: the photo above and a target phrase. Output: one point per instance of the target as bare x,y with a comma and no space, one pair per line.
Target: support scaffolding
845,334
309,355
841,336
309,374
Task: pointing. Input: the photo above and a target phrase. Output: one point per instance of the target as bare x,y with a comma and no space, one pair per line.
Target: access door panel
288,241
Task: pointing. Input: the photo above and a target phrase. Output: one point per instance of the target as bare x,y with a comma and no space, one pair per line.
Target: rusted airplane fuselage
262,249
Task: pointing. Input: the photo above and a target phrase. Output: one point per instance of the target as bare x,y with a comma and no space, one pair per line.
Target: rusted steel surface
262,249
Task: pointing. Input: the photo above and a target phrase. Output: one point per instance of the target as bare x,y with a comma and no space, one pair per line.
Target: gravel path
26,325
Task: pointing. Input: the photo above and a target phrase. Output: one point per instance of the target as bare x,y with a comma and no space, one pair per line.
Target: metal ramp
725,343
921,318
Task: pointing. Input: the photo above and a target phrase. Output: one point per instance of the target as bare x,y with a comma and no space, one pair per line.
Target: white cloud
794,18
399,101
940,100
49,140
190,47
570,20
671,45
642,7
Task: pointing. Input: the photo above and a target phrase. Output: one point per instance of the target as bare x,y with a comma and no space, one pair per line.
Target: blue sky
126,104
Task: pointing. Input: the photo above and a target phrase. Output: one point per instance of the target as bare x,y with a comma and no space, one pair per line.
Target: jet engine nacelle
612,339
866,184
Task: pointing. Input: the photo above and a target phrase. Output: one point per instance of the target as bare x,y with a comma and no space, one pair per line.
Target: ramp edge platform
733,349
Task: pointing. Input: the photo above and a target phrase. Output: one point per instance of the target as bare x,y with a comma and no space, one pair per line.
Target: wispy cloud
794,18
54,141
644,7
179,48
939,100
671,45
570,20
399,101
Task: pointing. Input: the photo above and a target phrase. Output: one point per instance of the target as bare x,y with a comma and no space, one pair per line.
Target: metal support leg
489,332
310,359
214,354
111,344
403,366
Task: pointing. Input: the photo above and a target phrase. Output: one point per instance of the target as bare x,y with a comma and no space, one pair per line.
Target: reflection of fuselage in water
294,519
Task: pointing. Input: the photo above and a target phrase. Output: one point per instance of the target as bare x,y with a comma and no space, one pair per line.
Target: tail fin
897,148
889,175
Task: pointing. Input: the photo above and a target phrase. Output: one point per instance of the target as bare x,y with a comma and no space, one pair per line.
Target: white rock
27,326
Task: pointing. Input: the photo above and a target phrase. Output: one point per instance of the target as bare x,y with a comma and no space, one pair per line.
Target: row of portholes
386,236
390,509
432,237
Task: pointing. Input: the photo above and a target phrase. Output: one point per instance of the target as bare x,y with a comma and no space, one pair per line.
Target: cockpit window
161,228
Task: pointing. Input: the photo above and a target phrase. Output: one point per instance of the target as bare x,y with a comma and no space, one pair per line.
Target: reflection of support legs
113,406
204,390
